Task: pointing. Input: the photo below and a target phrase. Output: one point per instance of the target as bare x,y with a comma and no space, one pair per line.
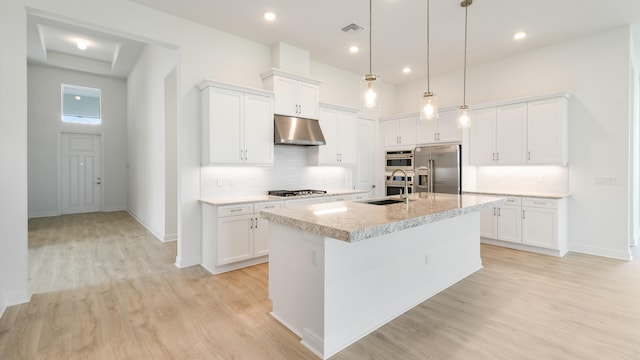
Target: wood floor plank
104,288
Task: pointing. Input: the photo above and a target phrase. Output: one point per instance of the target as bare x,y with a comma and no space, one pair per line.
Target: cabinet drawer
513,200
232,210
267,205
541,203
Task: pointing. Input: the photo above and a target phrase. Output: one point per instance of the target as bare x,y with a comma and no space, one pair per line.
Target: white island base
332,293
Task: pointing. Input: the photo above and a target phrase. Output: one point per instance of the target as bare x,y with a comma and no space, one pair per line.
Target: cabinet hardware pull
494,211
256,223
246,154
539,203
528,155
269,207
522,213
236,210
499,212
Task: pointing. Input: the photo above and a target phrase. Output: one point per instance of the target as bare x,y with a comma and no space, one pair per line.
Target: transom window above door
81,105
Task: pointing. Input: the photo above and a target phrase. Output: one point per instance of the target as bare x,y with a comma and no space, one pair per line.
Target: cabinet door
510,224
347,138
390,133
225,126
539,227
426,131
307,100
511,134
261,228
489,223
547,131
407,130
482,137
285,96
328,153
258,130
448,130
235,240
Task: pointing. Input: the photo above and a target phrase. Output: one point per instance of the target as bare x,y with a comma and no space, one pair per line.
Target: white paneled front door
80,173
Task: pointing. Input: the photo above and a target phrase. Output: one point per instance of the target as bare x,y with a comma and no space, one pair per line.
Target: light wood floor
104,288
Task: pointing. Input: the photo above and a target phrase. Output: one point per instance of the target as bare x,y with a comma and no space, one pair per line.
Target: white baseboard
186,262
41,214
16,298
594,250
115,208
170,237
157,236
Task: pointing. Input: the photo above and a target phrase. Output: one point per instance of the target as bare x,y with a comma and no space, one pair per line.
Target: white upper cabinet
400,132
339,127
294,95
237,125
527,132
442,130
482,137
511,134
547,131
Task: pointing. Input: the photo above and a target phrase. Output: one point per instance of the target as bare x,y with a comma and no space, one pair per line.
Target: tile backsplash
523,178
289,171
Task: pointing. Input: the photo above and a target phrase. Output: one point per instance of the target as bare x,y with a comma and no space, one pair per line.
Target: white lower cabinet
503,222
535,224
234,236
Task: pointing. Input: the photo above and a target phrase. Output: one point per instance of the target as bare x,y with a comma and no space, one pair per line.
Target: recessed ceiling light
354,49
81,45
269,16
520,35
406,70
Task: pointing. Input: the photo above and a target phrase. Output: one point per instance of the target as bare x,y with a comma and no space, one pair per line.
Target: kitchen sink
382,201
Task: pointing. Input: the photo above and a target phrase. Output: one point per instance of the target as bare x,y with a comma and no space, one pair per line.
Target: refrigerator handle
431,174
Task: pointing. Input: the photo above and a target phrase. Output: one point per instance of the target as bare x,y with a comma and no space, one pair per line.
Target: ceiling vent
352,27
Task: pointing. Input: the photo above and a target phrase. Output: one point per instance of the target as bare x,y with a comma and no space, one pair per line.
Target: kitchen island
338,271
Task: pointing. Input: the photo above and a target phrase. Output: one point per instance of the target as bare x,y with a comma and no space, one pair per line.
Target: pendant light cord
370,50
428,49
464,84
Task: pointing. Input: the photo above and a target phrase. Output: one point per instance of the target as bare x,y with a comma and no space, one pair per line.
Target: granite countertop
533,194
236,200
353,221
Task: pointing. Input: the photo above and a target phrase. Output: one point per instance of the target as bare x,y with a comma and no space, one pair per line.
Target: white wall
596,70
44,126
14,286
289,172
147,141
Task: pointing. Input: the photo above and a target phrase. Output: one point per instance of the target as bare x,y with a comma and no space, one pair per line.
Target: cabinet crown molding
565,94
277,72
219,84
338,107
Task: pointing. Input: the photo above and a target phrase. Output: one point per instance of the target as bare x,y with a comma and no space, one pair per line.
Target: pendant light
428,103
464,111
369,95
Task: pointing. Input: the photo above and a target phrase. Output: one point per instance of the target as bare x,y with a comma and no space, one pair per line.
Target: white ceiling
398,40
53,43
399,28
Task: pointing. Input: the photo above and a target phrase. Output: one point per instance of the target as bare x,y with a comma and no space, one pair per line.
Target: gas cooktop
295,192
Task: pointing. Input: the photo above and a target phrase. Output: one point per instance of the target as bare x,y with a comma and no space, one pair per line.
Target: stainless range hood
290,130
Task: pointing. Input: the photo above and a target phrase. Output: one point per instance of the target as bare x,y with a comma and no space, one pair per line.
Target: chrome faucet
405,194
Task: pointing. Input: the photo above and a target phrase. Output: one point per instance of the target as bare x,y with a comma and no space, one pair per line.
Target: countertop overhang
353,221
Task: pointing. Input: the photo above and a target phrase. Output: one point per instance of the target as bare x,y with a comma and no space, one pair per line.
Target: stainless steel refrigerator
438,169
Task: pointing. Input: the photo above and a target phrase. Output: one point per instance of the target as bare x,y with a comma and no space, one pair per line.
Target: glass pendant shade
370,98
464,117
429,106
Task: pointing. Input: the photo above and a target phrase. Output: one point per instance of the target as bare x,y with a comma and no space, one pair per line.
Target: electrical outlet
219,182
611,181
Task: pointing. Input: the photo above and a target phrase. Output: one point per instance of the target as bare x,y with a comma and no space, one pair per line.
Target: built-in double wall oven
399,160
395,185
